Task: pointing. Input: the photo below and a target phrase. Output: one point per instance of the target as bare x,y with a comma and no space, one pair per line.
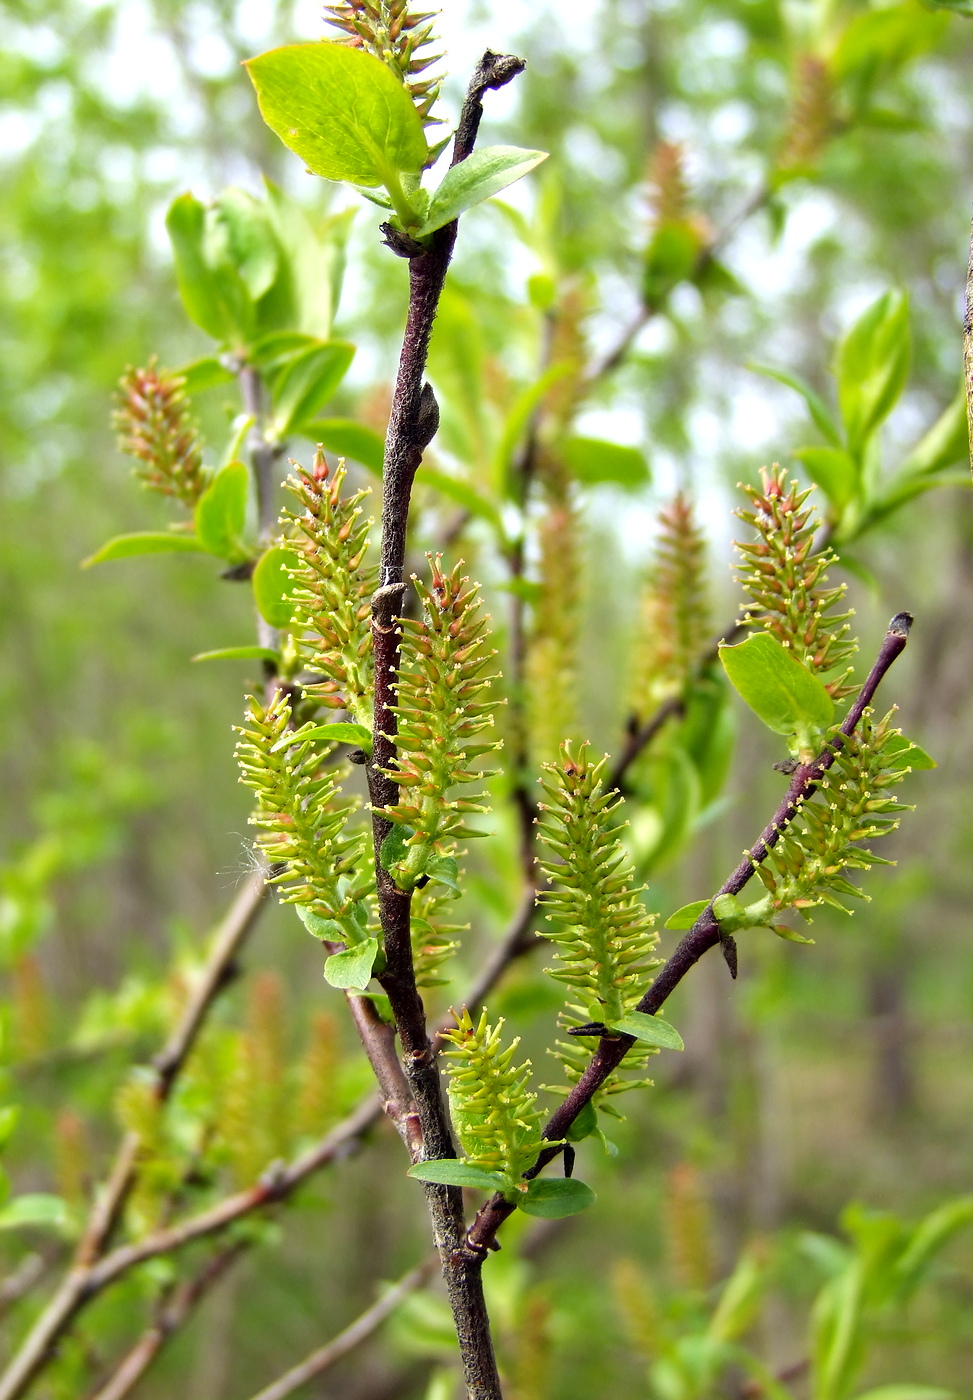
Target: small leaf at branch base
325,929
779,688
553,1198
246,653
445,870
447,1171
394,846
687,915
484,173
204,374
39,1210
649,1029
353,968
338,733
584,1125
273,585
144,542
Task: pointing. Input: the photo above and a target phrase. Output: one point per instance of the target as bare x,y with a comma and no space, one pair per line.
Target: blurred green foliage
735,185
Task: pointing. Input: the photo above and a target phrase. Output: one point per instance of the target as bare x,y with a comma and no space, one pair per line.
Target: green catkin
675,621
155,427
301,820
491,1106
334,585
785,581
604,936
852,804
442,702
432,941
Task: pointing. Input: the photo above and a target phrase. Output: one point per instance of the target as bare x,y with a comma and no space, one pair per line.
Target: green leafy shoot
333,585
785,581
303,823
443,702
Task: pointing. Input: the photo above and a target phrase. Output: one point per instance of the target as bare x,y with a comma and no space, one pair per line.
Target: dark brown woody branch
413,422
704,934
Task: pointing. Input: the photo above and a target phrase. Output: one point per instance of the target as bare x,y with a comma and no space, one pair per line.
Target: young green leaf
247,653
221,514
198,285
834,470
816,406
143,542
778,688
203,374
687,915
307,383
447,1171
338,733
341,111
484,173
249,242
553,1198
649,1029
593,462
584,1125
352,968
445,870
328,930
273,585
901,753
873,362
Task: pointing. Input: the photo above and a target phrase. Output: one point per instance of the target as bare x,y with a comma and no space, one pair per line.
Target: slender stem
704,934
413,422
263,460
352,1336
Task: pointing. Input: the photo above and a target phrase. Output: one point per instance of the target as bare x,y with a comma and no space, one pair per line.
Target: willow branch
413,422
704,934
352,1336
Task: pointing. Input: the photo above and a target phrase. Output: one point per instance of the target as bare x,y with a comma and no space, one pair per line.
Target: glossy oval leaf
307,382
777,686
143,542
687,915
352,969
650,1030
273,585
221,513
447,1171
554,1198
484,173
594,462
341,110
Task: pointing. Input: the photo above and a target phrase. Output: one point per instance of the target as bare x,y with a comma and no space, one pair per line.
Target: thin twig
704,934
352,1336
